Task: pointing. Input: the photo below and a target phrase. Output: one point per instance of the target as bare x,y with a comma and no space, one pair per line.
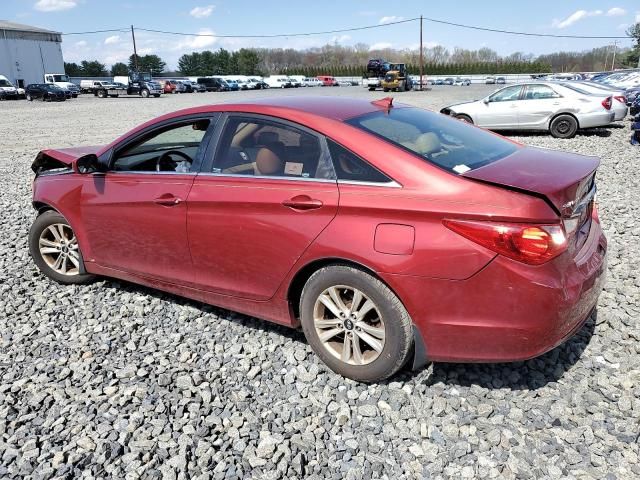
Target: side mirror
88,164
486,101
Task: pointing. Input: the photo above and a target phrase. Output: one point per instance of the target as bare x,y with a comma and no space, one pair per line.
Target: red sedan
390,233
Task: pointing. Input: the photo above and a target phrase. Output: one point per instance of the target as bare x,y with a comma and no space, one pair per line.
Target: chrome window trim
391,184
267,177
145,172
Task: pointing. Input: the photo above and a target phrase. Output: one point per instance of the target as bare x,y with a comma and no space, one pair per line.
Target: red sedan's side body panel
138,223
243,239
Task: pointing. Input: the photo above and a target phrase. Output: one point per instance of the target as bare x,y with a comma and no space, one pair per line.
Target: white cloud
202,12
341,39
112,39
390,19
199,42
81,44
54,5
616,12
575,17
380,46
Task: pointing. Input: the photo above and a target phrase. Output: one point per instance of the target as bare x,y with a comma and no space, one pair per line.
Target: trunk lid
565,180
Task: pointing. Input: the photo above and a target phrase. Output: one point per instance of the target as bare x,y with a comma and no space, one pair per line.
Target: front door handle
302,202
168,200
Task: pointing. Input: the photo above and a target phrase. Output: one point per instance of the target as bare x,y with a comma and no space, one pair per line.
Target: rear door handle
302,202
168,200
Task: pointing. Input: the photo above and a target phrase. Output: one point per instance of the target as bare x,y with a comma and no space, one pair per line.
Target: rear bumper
596,119
508,311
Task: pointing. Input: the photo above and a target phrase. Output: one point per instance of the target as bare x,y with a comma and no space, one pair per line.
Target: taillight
528,243
606,103
621,99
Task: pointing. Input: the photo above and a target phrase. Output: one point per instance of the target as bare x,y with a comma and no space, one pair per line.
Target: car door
500,110
135,213
268,192
538,105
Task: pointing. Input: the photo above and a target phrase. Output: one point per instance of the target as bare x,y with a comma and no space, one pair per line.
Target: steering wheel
165,160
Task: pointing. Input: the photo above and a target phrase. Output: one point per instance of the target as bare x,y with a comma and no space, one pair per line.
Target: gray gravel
112,380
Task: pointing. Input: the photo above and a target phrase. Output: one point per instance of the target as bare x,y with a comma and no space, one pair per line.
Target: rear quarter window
436,138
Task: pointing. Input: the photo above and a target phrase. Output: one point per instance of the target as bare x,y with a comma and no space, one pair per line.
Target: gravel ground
112,380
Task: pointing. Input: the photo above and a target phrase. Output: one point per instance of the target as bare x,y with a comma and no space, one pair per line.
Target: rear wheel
464,118
54,248
29,98
355,323
102,94
144,93
563,126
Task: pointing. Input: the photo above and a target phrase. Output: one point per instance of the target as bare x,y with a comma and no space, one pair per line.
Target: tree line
340,60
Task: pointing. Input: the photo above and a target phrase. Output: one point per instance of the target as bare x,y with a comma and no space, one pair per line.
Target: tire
47,232
464,118
157,95
45,97
144,93
388,319
385,89
563,126
29,98
371,89
102,94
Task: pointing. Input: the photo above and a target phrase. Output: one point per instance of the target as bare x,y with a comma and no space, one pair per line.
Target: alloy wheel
59,249
349,325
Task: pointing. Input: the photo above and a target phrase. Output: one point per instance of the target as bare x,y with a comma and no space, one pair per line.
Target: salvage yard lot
113,379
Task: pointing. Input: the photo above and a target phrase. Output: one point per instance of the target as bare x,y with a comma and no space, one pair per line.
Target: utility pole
606,58
421,55
135,52
615,48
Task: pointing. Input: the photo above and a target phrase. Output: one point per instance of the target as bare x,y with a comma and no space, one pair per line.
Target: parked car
7,89
635,107
232,85
537,106
312,82
277,82
188,87
47,92
258,83
439,81
448,81
500,80
462,82
619,104
439,273
172,86
213,84
490,80
631,94
327,81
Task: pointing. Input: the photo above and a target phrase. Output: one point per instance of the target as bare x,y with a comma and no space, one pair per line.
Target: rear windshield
448,143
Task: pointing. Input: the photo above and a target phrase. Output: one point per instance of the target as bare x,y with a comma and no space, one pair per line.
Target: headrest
427,143
265,138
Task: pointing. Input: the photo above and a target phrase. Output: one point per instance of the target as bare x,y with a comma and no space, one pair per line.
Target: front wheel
29,98
144,93
355,323
102,94
54,248
464,118
563,126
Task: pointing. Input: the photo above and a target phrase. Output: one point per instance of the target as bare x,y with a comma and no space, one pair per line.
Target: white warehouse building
27,53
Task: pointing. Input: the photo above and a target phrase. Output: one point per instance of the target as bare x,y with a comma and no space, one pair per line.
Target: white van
278,81
7,90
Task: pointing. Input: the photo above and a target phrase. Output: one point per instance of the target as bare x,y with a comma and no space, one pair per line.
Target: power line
299,34
511,32
121,30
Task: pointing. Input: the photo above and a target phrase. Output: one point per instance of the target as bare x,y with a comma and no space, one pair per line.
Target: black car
188,87
635,107
631,94
46,92
213,84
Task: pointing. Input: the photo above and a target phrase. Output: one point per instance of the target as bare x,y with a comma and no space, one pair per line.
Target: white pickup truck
372,82
101,88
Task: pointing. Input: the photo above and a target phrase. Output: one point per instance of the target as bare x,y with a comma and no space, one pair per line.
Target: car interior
265,149
171,149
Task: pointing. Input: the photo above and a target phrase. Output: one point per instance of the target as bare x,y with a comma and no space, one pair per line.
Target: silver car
619,106
544,106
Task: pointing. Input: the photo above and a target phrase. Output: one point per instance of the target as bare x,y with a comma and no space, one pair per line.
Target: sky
260,17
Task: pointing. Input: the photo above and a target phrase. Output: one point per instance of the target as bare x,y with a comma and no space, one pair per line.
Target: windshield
5,83
60,78
450,144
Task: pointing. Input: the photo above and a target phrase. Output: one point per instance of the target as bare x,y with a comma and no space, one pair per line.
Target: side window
539,92
169,149
506,94
349,166
257,147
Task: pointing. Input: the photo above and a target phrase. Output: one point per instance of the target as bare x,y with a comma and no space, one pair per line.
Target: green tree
633,57
72,69
147,63
191,64
93,68
119,68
